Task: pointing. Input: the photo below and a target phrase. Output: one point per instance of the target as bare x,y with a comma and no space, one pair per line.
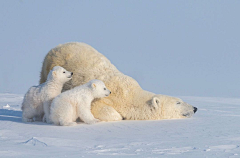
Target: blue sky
179,48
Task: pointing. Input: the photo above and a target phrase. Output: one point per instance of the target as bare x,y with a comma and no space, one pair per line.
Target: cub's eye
63,71
178,102
104,88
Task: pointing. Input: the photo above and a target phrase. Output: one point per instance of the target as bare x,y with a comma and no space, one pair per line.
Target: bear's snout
72,73
109,93
194,109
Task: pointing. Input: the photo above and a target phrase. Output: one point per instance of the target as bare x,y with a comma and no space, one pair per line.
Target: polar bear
76,103
127,101
38,99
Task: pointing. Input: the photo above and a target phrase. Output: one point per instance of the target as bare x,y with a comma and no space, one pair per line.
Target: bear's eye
104,88
63,71
178,102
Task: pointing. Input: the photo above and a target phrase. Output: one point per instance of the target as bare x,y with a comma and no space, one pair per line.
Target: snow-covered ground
214,131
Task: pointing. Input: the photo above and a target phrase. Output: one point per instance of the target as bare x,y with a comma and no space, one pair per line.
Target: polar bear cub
38,99
68,106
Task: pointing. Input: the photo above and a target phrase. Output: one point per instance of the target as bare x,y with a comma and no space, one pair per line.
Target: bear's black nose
194,109
110,92
72,73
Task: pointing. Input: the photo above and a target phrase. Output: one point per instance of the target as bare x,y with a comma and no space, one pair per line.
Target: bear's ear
156,102
54,73
93,85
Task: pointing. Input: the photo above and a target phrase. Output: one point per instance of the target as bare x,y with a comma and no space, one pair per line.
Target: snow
214,131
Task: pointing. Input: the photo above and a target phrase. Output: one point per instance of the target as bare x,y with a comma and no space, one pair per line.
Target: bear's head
171,107
59,74
99,89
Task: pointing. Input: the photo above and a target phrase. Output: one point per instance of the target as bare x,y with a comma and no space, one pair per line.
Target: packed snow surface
214,131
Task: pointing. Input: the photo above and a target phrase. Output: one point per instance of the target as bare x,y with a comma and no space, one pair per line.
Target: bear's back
84,61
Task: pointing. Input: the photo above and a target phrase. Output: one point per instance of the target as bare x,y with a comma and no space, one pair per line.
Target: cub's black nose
72,73
110,92
194,109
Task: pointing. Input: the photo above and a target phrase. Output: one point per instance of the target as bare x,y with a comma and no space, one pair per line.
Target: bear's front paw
49,121
92,121
44,119
27,120
30,120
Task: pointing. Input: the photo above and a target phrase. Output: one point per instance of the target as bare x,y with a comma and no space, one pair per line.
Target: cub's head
99,89
171,107
59,74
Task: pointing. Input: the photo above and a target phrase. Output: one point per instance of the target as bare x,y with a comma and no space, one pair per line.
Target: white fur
68,106
128,100
38,99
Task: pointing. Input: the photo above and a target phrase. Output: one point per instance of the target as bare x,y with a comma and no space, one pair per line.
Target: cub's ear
93,85
156,102
54,73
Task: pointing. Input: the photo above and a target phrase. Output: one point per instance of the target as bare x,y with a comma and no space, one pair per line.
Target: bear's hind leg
67,117
25,119
28,114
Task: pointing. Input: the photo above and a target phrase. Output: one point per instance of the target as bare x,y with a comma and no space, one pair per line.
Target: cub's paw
30,120
67,123
93,121
27,119
72,124
48,121
44,119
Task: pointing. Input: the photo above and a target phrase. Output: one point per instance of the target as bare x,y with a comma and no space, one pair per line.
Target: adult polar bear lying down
127,101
